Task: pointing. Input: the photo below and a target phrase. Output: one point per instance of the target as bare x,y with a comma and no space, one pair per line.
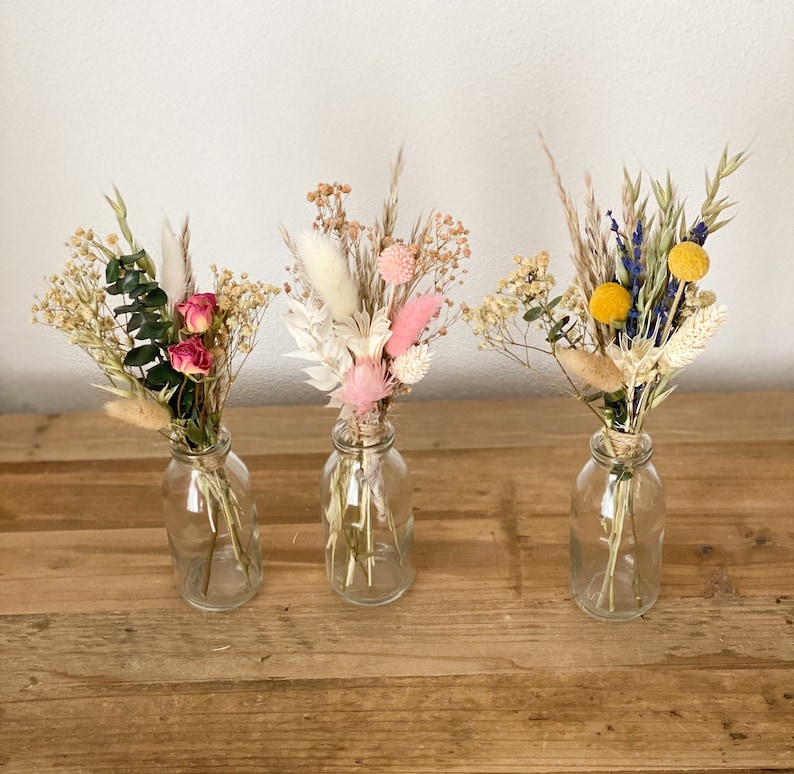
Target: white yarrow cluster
412,365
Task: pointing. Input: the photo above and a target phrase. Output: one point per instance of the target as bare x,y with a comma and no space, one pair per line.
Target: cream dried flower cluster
635,314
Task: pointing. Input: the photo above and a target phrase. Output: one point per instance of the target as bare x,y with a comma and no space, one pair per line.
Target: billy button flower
688,261
610,303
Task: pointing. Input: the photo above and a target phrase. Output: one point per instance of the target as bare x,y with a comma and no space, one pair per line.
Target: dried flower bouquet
170,354
634,316
364,307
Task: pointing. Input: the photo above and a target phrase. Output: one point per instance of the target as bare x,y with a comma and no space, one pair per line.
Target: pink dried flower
191,357
410,320
366,383
396,264
197,312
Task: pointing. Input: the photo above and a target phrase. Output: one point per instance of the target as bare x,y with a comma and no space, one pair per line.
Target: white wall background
231,111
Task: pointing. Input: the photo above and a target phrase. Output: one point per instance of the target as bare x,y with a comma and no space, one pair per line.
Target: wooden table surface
485,665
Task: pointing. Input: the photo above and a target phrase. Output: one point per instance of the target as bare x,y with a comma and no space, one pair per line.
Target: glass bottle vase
210,517
367,515
617,528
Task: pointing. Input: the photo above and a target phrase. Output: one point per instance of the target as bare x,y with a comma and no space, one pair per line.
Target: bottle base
228,588
385,581
626,605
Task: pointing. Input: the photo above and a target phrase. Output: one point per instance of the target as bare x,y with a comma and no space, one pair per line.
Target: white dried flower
690,339
327,273
412,365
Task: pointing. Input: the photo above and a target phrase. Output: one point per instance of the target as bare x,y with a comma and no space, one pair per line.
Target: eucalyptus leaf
126,309
134,322
194,433
112,270
129,281
154,298
153,330
163,375
554,302
533,314
143,287
140,356
555,332
126,260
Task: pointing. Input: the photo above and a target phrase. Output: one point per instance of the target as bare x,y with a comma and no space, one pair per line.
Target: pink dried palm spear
410,320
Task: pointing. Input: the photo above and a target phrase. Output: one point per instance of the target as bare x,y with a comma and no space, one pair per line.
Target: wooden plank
539,720
753,477
433,425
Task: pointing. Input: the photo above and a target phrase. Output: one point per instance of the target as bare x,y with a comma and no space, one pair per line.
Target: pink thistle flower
396,264
410,320
366,383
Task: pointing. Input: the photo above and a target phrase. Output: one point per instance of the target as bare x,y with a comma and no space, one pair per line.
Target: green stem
208,564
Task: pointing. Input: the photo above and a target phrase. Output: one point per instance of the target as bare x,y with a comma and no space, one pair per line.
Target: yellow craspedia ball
688,261
610,302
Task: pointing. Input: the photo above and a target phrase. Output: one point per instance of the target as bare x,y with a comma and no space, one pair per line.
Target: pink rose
197,312
191,356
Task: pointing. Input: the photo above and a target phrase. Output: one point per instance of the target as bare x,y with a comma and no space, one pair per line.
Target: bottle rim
219,448
381,441
639,452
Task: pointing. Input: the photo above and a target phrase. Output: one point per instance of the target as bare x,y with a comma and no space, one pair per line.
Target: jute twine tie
365,433
624,444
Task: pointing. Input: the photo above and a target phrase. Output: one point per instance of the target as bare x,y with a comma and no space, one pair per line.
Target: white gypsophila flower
690,339
412,365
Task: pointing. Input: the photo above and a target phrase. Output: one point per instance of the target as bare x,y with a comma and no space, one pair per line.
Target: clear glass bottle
617,528
210,517
367,516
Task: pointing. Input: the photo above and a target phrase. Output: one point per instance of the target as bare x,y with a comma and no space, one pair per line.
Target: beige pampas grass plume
597,370
176,273
327,272
690,339
140,412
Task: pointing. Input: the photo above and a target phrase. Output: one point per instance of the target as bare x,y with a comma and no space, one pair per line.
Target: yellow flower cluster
688,261
610,303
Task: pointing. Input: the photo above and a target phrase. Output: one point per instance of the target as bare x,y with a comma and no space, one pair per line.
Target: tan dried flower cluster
695,298
75,303
243,304
529,281
490,318
573,301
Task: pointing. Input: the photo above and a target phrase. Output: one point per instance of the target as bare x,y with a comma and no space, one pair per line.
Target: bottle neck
613,449
212,457
352,437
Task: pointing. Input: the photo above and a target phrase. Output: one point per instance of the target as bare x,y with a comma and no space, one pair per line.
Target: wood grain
484,666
